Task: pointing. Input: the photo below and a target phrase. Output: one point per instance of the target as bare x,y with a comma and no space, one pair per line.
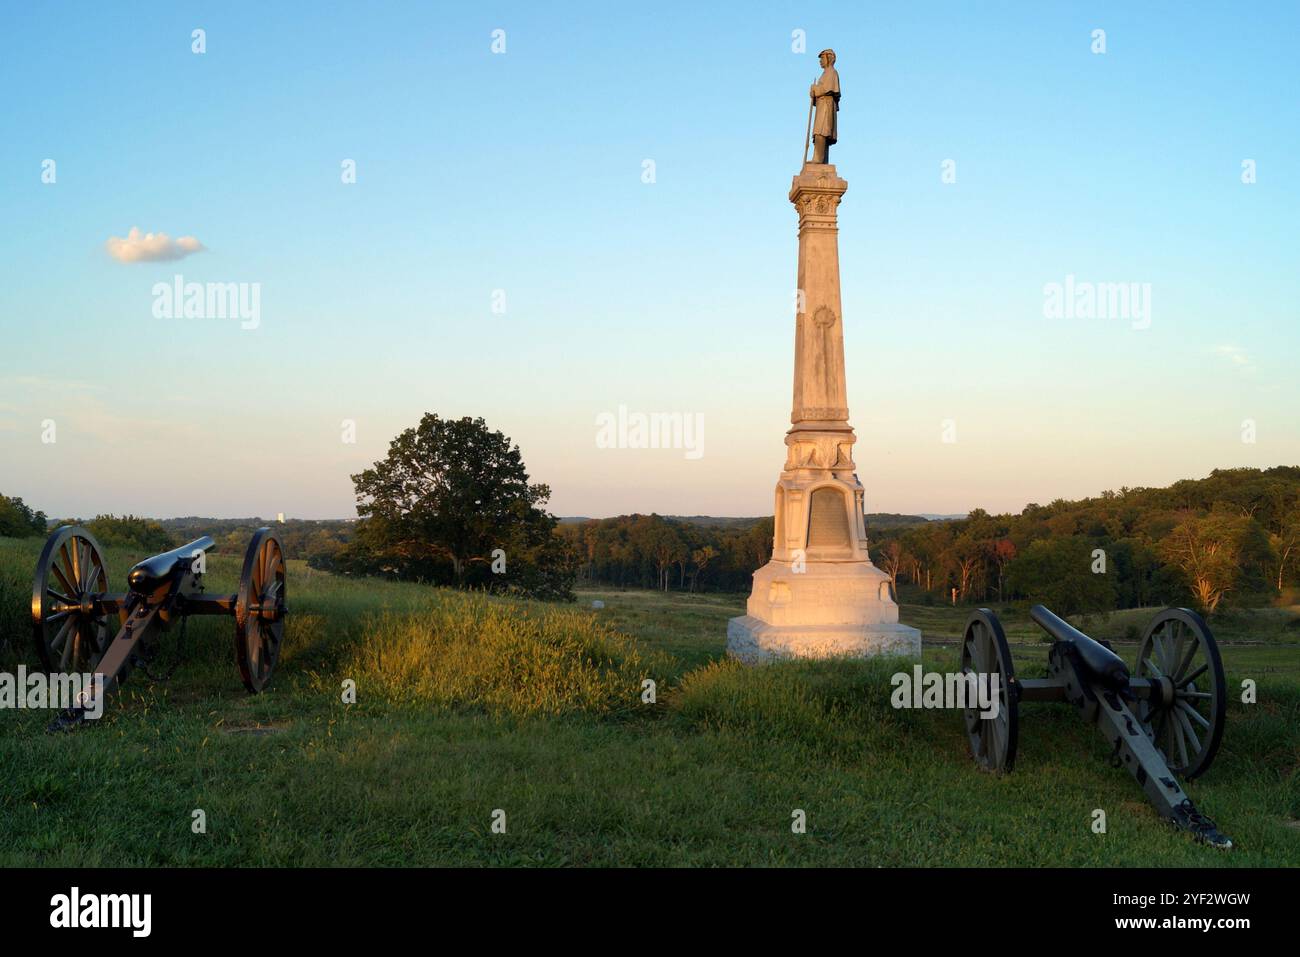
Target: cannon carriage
80,626
1164,721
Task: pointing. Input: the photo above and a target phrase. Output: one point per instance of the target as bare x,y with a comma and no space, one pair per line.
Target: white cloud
1236,355
140,247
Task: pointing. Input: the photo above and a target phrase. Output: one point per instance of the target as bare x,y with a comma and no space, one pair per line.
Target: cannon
1164,721
81,627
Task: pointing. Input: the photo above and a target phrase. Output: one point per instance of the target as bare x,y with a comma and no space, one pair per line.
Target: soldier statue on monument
825,94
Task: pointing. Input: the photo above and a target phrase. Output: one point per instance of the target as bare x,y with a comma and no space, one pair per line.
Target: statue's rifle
807,137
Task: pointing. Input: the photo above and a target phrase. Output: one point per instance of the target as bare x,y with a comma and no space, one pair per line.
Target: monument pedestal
820,596
831,609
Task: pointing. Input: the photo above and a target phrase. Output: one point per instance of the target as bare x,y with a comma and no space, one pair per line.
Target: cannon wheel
1178,645
71,629
984,650
259,610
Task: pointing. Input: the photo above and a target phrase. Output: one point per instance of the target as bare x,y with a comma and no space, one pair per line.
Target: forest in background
1230,539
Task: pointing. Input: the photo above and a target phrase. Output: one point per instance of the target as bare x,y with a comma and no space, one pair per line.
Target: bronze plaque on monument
828,520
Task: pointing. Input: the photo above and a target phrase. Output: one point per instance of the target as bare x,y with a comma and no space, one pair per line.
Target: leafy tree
1286,547
1207,550
927,544
1135,564
1058,573
450,493
701,558
893,557
758,543
964,556
131,531
17,520
667,547
1001,553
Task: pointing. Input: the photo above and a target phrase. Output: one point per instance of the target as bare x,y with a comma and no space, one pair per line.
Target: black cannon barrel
152,572
1104,665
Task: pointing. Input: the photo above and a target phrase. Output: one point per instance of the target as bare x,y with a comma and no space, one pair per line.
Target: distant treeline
651,551
301,537
147,536
688,553
1230,539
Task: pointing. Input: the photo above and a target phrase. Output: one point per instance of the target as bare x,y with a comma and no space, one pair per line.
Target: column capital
816,193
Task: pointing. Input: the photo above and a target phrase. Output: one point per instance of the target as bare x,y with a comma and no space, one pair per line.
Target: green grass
468,704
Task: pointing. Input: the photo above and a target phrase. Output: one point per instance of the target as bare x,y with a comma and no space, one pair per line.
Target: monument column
820,596
819,390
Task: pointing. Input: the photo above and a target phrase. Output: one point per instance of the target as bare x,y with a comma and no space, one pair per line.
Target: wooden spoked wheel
1185,711
71,627
260,609
985,652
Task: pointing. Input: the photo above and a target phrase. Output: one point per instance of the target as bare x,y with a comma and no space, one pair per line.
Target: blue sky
522,172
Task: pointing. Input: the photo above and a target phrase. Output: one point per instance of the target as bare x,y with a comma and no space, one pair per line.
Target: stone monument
820,596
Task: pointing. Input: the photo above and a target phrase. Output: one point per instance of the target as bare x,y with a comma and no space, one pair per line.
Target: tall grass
472,652
17,558
400,643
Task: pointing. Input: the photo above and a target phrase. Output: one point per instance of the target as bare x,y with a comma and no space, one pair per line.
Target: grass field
468,704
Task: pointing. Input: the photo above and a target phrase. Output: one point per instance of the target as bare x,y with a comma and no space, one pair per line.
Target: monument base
822,610
753,641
